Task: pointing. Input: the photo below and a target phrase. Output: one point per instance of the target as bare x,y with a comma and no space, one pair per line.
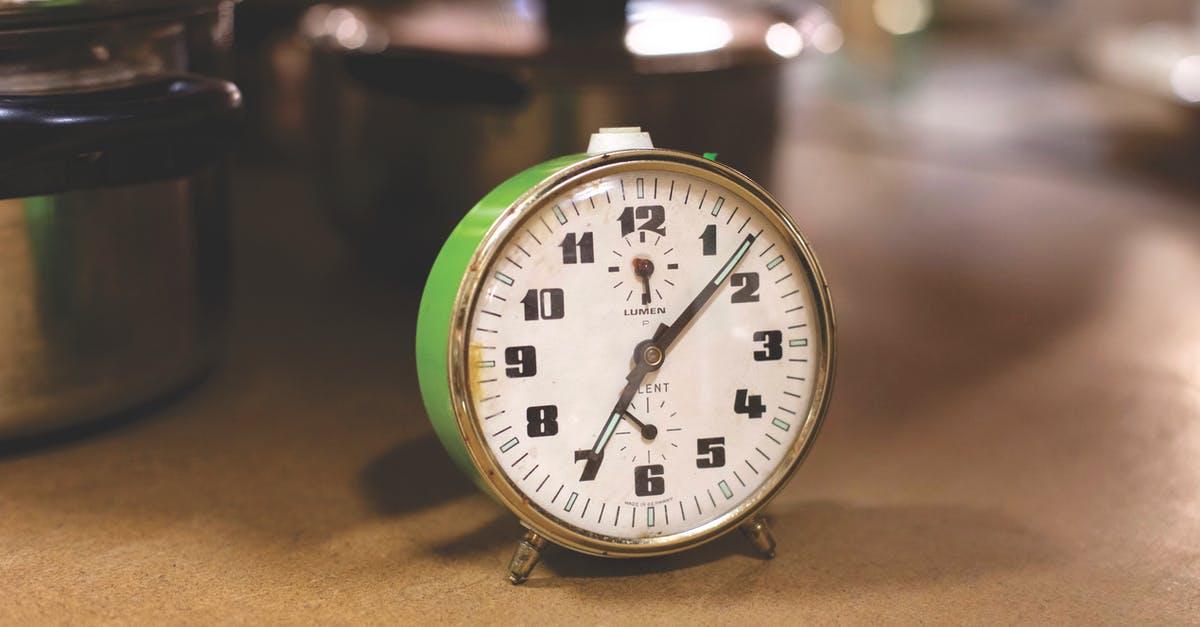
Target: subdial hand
643,268
649,432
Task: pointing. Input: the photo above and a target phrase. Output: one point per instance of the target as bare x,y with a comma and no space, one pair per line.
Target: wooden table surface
1015,434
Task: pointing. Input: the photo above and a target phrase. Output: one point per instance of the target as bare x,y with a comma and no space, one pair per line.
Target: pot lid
647,36
40,13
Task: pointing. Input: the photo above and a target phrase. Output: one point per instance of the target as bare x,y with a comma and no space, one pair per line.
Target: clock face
644,354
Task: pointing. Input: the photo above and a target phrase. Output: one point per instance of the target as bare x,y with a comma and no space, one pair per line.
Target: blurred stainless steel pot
114,252
418,109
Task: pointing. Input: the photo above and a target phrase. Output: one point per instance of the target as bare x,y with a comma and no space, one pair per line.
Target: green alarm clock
631,349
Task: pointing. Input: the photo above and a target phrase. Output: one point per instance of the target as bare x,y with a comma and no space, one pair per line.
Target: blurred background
216,219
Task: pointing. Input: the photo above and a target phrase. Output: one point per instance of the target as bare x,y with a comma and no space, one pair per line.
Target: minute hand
666,336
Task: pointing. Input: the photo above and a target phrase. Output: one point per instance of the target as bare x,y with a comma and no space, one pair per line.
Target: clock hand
643,268
649,354
648,431
665,336
633,380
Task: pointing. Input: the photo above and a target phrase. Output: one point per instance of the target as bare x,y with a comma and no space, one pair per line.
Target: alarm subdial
644,269
650,426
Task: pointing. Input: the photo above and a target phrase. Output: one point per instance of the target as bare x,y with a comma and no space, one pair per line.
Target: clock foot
760,537
529,551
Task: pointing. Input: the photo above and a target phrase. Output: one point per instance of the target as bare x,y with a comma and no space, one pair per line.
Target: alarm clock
631,349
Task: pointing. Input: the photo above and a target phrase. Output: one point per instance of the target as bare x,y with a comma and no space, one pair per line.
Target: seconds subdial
645,272
652,423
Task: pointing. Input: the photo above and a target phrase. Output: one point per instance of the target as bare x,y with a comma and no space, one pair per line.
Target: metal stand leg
529,551
759,535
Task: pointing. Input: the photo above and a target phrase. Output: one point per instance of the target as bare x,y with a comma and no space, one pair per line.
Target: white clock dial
594,272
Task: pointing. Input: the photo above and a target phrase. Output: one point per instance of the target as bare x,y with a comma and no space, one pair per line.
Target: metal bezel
493,474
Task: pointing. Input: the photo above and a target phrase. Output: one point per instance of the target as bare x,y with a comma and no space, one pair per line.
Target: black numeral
578,250
592,466
709,239
746,403
748,282
542,419
772,342
543,304
652,216
523,360
711,452
648,480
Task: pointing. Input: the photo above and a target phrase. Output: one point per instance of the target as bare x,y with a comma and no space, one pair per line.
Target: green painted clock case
441,295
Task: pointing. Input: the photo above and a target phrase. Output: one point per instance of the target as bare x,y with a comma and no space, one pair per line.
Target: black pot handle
159,128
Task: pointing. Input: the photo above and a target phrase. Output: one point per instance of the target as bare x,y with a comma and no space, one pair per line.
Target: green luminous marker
504,278
613,421
781,424
641,188
650,517
733,261
559,214
507,446
571,501
725,489
717,205
801,342
487,364
774,262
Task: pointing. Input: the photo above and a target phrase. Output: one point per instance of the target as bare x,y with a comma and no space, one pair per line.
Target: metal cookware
417,109
114,255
